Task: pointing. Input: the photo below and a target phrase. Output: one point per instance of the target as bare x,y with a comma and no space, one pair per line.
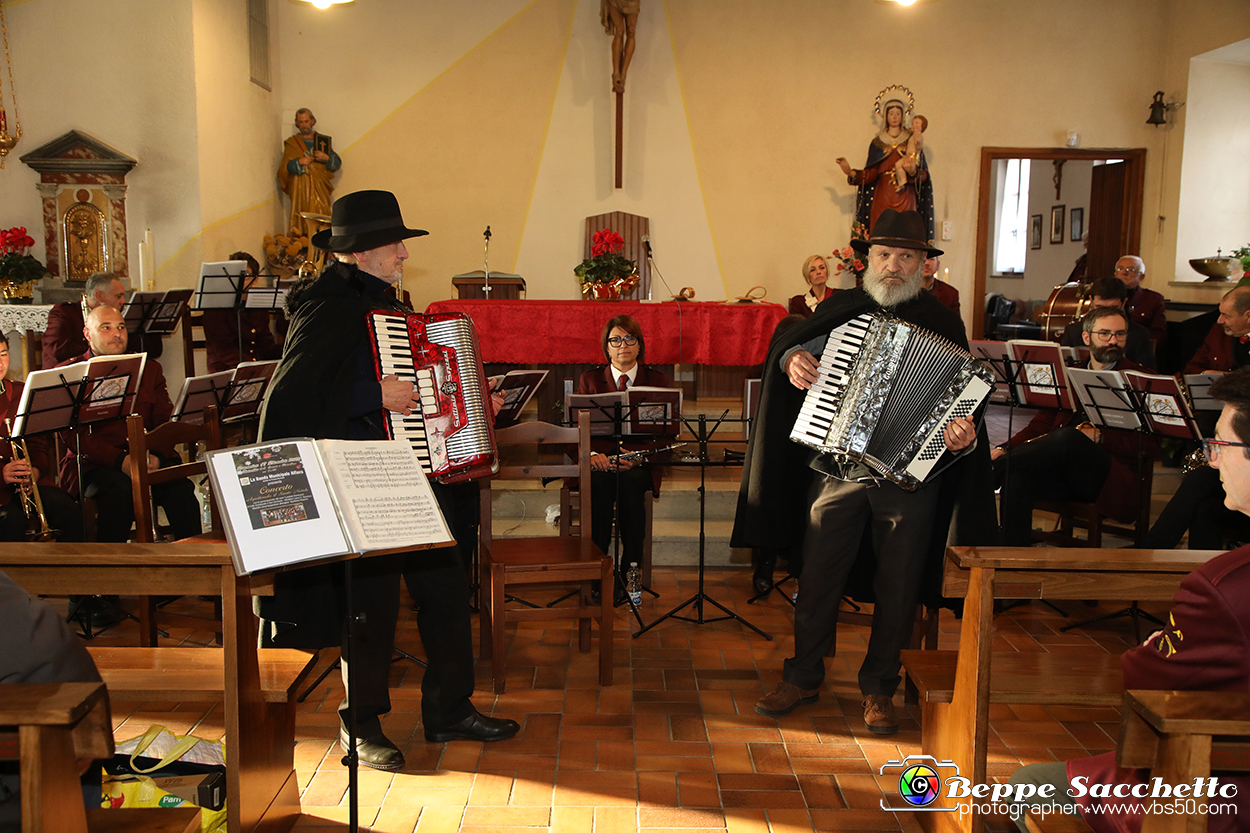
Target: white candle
150,284
143,265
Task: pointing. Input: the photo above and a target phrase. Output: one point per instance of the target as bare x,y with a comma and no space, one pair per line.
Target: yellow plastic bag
141,791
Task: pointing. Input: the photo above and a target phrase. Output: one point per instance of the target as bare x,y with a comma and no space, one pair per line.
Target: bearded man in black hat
326,388
792,495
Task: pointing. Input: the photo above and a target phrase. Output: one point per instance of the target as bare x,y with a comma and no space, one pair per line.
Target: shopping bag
193,768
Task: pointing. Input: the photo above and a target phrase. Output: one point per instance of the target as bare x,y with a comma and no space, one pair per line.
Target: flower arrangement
18,268
286,251
607,273
849,260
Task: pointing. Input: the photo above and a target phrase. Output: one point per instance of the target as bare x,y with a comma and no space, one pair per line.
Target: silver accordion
886,392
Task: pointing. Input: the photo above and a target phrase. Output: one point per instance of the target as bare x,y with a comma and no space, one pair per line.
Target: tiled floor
673,744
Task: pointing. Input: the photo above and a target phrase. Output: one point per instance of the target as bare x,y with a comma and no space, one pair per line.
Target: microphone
646,241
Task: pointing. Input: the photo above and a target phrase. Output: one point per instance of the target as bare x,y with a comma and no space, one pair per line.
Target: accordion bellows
886,392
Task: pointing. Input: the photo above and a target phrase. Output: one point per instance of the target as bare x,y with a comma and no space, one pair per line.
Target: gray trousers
901,524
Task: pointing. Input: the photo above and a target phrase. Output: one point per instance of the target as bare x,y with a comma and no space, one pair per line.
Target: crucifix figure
620,20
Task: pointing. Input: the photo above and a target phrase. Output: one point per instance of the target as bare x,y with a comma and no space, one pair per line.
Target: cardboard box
207,791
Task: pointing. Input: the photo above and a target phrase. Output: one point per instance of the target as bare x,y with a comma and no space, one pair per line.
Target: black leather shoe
476,726
762,581
375,752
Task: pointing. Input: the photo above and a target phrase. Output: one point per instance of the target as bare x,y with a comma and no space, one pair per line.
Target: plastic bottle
633,585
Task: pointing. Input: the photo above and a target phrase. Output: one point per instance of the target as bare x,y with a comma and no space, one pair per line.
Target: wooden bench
958,687
197,674
1178,736
59,724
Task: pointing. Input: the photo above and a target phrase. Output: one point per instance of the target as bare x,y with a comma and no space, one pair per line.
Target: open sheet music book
1164,404
645,411
103,387
1104,395
303,500
1041,381
518,388
220,285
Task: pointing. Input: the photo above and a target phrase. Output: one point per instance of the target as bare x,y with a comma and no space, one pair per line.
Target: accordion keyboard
836,362
395,357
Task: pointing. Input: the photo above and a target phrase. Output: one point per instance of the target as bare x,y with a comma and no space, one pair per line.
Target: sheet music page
1104,398
383,495
276,505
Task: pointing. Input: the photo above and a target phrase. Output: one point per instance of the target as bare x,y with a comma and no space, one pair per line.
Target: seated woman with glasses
1059,455
625,349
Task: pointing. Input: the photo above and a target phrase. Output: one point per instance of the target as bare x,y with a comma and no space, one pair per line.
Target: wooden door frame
1130,232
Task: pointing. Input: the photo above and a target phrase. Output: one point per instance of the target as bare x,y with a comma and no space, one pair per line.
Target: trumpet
37,527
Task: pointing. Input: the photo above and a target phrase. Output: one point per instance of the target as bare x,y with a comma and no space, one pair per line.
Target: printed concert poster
275,485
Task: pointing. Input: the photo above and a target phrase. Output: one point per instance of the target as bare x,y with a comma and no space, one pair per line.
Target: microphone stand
486,287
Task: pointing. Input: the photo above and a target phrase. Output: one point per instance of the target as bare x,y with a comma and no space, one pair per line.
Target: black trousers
112,490
901,524
1197,506
438,585
631,501
1062,465
62,511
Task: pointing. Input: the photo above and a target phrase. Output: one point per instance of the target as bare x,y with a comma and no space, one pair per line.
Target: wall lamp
325,4
1159,109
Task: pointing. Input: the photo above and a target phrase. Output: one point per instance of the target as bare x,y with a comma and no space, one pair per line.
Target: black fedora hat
904,229
364,220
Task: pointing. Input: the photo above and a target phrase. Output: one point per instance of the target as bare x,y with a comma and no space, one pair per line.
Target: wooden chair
191,318
1075,515
571,519
510,562
166,439
1178,736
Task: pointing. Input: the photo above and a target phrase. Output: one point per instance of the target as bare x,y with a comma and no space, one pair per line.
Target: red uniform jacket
107,443
1146,307
603,380
1216,353
946,293
10,398
1205,647
221,338
1119,496
63,341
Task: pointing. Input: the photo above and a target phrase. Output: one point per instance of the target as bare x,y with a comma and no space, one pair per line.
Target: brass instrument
37,527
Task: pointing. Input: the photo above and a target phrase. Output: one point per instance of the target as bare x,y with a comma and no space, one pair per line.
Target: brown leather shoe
785,698
879,714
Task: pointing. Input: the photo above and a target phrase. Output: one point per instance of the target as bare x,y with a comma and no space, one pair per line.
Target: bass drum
1067,303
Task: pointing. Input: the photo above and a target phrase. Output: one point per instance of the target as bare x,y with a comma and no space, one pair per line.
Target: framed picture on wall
1035,231
1056,224
1076,219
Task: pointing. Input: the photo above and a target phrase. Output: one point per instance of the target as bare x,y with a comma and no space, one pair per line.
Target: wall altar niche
82,182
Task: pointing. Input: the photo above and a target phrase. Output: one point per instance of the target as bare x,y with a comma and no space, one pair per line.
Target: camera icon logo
920,782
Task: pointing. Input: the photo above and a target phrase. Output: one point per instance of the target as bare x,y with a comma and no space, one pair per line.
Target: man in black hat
792,495
326,388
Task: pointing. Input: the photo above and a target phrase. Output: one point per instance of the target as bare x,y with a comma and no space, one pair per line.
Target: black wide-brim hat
362,221
904,229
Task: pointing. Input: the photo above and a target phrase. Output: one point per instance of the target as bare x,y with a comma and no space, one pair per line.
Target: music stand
155,313
224,285
702,435
101,389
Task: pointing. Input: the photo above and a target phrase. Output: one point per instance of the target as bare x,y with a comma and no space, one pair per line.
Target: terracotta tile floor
673,744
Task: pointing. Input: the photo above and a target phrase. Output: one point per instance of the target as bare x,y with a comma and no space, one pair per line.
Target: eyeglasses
1211,448
1127,270
1106,334
617,341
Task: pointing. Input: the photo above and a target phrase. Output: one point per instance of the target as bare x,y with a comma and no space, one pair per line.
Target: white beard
892,294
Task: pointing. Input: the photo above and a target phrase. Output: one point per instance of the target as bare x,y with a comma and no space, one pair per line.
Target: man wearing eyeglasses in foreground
1059,455
1204,647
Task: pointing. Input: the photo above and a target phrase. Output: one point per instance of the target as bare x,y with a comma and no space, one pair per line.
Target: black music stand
102,389
702,435
224,285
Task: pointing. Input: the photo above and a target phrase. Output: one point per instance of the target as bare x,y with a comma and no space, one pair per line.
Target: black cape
772,500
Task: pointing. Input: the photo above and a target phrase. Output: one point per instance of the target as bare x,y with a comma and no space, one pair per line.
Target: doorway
1114,209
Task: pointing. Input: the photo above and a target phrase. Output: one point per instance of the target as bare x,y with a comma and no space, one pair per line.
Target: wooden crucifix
620,20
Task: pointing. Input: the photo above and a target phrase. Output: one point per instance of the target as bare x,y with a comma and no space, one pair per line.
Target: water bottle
633,585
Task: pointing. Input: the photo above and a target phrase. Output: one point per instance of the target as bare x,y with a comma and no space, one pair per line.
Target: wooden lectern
503,287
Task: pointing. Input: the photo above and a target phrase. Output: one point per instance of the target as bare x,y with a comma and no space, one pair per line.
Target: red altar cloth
567,332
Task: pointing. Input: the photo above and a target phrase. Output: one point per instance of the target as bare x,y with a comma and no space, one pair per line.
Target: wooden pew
1178,736
957,687
59,724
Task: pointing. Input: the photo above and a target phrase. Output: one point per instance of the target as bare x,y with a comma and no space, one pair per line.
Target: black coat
772,501
311,396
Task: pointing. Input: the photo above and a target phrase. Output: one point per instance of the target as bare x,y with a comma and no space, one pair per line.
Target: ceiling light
324,4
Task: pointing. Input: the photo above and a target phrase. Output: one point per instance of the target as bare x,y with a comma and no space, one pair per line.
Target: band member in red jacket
1145,306
1227,346
1059,455
1205,645
625,349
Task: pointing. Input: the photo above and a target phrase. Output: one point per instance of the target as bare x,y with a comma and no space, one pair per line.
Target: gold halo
884,96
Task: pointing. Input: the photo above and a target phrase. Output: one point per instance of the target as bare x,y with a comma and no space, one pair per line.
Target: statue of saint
620,20
307,171
896,174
